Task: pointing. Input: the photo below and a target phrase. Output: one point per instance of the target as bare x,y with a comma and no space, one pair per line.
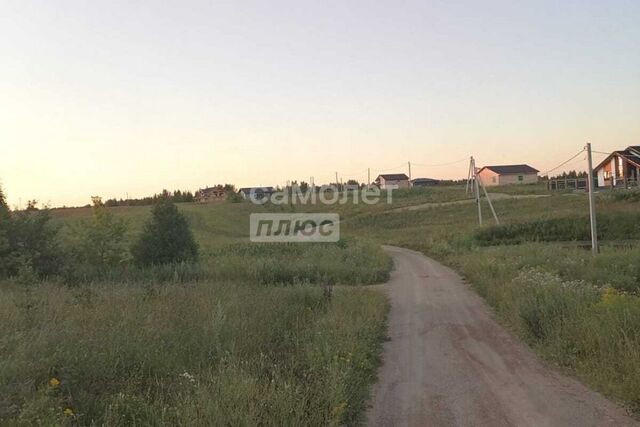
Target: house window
520,177
493,179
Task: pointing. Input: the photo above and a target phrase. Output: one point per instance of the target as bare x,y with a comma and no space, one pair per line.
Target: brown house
210,194
620,168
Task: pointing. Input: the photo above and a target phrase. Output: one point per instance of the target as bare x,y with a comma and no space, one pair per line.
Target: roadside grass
209,353
577,311
615,226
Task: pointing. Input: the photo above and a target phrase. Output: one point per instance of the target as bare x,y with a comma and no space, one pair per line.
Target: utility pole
409,163
368,177
476,188
470,176
493,211
592,204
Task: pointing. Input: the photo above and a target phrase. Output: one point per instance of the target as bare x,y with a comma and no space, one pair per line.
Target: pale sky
115,97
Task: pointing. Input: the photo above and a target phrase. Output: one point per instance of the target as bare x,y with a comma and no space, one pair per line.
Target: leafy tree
27,241
5,248
100,242
33,242
166,237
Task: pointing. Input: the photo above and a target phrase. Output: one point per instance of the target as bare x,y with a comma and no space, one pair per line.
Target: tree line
32,247
176,196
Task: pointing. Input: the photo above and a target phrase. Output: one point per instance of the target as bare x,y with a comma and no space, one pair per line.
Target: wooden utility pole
368,177
476,188
409,163
592,203
469,176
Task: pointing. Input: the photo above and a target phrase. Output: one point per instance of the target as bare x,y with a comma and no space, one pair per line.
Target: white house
394,180
507,175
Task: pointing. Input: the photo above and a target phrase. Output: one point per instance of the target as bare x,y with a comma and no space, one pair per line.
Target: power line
563,163
441,164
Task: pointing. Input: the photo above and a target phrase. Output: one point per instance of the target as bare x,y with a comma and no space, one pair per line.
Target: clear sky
115,97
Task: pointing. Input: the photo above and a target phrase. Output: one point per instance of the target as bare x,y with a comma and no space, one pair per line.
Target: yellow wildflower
54,382
68,412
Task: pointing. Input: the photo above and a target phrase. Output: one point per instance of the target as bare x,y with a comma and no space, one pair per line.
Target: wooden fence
581,184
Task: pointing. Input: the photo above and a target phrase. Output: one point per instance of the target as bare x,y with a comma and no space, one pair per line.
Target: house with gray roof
508,175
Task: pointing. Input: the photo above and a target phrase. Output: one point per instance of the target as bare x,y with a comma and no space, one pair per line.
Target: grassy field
578,311
253,334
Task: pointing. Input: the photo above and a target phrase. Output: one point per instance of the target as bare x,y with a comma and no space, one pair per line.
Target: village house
507,175
424,182
393,180
210,194
620,168
256,193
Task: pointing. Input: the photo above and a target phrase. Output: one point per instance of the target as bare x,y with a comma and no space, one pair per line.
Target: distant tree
166,237
32,205
100,242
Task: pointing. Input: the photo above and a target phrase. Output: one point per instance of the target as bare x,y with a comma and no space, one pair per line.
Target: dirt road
448,363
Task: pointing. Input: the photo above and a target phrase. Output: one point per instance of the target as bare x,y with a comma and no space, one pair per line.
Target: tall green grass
190,354
567,310
614,226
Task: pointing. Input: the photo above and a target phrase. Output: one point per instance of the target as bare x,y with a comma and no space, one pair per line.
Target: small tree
5,248
166,237
33,242
100,242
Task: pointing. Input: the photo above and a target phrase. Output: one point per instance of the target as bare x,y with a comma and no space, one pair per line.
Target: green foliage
631,196
233,197
166,238
33,243
200,354
617,226
5,248
100,242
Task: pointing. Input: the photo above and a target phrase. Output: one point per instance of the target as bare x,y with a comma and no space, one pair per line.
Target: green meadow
291,334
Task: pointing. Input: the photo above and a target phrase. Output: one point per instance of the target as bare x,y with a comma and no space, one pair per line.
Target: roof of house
631,154
257,189
394,177
424,180
511,169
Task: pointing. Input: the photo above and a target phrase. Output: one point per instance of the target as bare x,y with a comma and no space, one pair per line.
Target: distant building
620,168
210,194
256,193
398,180
424,182
508,175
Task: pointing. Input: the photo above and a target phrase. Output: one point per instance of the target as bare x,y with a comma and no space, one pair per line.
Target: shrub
5,248
100,242
166,238
33,243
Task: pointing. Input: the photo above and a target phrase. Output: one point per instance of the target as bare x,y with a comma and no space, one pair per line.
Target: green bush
33,243
166,238
100,242
617,226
